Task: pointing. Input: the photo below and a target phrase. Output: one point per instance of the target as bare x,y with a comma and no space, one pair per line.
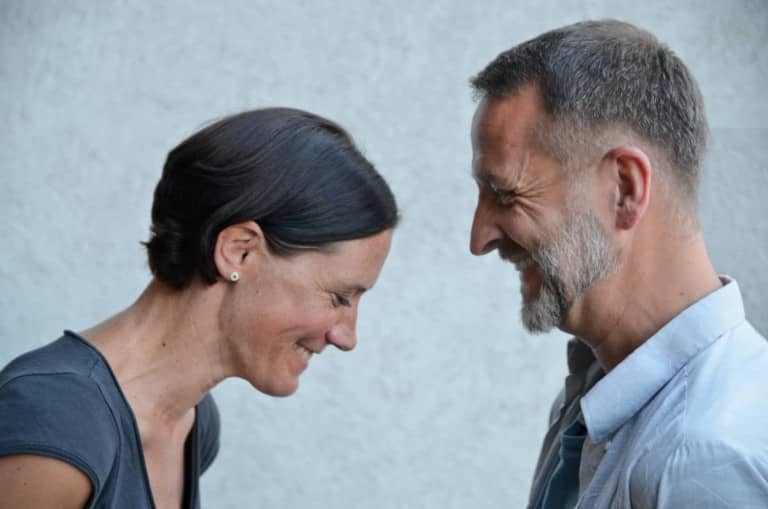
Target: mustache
542,256
511,251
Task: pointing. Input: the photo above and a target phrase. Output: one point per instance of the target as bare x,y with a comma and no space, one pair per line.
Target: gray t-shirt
63,401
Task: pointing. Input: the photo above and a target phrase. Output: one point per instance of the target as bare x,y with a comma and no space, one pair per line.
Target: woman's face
286,309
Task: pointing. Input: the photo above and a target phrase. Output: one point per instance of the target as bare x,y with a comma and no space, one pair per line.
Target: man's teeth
306,354
524,264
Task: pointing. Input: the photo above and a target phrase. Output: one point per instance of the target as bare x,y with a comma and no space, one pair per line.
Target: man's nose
485,234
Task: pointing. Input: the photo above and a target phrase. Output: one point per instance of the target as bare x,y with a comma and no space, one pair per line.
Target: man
587,150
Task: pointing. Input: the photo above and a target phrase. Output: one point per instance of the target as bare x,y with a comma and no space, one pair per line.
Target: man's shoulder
717,396
702,469
725,388
706,433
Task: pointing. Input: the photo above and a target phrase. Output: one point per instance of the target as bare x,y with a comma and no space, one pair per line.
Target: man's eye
503,197
340,300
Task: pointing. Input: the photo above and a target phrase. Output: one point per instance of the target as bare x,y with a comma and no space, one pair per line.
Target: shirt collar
626,389
580,356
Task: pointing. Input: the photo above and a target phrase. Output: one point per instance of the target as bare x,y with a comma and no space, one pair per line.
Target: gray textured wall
443,403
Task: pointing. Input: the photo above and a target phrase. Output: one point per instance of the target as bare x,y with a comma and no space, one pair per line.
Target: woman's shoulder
53,403
68,354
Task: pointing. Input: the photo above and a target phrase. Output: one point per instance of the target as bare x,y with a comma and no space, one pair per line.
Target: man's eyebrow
484,176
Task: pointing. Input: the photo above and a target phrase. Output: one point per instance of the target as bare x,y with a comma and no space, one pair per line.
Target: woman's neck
165,351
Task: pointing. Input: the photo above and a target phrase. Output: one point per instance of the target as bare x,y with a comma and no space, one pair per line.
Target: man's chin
535,325
541,314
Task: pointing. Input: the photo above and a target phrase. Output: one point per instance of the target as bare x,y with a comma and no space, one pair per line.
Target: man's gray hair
600,77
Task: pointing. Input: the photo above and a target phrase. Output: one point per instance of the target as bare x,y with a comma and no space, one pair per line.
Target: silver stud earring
234,277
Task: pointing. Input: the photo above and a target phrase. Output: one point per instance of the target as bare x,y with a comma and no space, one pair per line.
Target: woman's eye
340,300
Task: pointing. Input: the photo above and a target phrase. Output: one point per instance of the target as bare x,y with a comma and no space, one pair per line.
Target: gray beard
571,260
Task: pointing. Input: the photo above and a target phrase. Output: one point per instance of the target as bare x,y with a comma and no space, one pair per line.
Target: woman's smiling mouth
305,353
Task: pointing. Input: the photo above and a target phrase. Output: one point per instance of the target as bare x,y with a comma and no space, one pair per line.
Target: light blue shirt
682,421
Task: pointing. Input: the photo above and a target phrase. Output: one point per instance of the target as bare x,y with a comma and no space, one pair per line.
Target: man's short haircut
597,77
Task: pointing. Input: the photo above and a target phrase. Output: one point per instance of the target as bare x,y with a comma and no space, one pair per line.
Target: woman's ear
237,246
631,171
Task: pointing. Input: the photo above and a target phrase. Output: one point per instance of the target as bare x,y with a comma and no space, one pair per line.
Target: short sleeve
712,475
63,416
208,417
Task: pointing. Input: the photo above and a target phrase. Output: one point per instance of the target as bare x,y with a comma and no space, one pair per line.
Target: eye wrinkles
502,197
512,183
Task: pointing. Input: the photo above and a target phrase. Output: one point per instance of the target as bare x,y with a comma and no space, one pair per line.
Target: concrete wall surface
444,401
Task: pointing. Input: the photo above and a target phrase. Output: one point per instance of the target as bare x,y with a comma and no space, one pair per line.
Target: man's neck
651,288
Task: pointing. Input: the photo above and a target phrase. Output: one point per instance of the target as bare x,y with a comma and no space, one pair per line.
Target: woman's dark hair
298,175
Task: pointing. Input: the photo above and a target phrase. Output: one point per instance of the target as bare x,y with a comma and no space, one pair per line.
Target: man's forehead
507,120
494,167
488,121
502,133
490,155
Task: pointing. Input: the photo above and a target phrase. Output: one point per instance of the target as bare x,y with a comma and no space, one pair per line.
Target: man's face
538,218
570,259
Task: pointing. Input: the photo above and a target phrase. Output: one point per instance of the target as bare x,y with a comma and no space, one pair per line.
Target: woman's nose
343,335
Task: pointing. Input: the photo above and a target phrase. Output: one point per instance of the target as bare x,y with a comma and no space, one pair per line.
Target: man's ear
631,172
236,246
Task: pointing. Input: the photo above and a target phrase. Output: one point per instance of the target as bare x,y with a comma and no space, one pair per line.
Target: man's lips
530,274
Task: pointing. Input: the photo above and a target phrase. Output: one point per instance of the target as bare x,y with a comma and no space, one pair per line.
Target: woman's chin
279,390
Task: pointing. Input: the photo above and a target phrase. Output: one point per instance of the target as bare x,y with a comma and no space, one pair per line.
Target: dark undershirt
63,401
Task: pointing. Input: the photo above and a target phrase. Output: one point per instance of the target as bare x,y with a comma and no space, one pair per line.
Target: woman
267,227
